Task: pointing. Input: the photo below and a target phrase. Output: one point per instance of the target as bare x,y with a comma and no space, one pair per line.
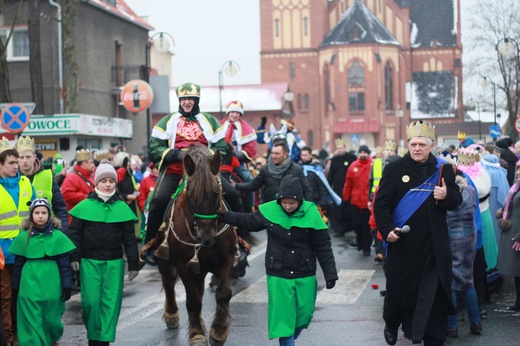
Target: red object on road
375,286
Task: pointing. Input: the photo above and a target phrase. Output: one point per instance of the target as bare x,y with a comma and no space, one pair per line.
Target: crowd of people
440,220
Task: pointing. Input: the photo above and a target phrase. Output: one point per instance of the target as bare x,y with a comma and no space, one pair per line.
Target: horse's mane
202,180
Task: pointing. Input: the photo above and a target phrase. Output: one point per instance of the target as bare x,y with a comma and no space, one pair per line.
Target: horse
194,244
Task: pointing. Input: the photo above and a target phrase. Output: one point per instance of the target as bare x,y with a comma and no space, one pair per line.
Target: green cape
91,209
307,216
39,246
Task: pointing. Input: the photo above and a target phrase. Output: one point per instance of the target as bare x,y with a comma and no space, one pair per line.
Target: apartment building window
389,87
18,48
91,143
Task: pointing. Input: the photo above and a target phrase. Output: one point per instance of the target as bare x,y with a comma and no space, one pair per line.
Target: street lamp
161,44
472,103
400,114
508,48
231,68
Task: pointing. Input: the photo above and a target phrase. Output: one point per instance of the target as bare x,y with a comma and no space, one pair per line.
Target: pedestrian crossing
348,289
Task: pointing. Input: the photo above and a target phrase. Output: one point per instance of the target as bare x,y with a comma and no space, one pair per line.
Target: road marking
349,287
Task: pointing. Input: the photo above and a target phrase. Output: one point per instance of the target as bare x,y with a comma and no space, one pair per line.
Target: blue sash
415,197
319,172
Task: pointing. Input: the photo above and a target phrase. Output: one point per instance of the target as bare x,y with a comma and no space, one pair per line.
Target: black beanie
501,145
290,187
364,148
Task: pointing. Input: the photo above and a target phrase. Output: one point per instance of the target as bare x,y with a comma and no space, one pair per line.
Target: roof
356,125
121,10
434,21
254,97
359,17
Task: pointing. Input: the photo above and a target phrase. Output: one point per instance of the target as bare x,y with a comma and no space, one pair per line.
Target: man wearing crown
416,191
42,179
171,136
16,193
78,184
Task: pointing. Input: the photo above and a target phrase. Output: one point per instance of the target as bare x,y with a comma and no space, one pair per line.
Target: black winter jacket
272,185
290,253
102,241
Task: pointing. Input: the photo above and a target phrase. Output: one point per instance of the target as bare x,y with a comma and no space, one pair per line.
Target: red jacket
75,188
355,189
147,185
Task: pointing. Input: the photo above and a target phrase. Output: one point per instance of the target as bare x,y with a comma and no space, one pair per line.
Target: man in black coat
341,220
417,191
279,164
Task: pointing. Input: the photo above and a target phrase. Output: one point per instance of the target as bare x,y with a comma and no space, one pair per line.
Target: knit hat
104,170
39,202
501,145
364,148
290,187
235,106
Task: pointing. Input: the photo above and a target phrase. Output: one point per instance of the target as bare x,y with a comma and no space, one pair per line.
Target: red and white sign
137,95
517,124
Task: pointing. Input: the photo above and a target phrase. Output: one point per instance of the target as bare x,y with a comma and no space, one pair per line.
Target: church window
389,87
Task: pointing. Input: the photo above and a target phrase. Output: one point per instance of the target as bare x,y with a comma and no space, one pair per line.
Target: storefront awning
358,125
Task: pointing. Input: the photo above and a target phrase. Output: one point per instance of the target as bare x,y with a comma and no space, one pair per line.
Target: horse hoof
172,322
214,342
199,340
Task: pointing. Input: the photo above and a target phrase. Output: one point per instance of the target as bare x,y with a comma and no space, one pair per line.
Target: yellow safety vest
42,183
11,215
377,169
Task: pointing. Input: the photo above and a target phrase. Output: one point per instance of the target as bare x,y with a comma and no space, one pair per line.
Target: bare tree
70,93
35,61
492,24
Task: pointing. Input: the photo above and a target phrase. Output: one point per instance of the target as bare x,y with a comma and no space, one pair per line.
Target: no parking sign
15,117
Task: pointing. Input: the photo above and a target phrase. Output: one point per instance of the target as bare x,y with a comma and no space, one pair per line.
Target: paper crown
379,150
235,106
101,154
188,90
5,145
461,135
339,142
83,155
390,145
420,128
24,143
467,157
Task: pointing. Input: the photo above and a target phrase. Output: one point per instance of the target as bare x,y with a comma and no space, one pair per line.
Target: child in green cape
102,225
296,237
41,275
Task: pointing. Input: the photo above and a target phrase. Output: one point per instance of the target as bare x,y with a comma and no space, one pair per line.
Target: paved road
349,314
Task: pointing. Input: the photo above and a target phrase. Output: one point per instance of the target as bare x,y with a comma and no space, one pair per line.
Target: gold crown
5,145
188,90
101,154
83,155
390,144
339,142
461,135
379,150
420,128
466,157
24,143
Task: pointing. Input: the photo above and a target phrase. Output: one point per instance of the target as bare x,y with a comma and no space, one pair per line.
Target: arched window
277,27
305,26
356,75
389,87
306,102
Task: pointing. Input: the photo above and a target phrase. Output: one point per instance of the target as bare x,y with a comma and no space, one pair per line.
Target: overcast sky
208,33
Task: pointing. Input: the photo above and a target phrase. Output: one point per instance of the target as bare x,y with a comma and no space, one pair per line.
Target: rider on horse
171,136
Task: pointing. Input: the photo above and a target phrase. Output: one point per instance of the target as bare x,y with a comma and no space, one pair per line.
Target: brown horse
196,244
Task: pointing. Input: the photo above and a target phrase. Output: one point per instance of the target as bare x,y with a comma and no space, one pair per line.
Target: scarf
104,196
278,171
508,205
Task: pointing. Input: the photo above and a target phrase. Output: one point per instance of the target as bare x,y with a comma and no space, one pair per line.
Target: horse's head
277,135
204,191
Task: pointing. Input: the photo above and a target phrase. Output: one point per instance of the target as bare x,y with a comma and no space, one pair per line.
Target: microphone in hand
404,229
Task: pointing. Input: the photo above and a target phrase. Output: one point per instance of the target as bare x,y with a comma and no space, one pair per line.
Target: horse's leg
194,285
219,331
169,277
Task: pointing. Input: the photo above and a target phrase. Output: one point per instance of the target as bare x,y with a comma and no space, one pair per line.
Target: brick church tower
360,70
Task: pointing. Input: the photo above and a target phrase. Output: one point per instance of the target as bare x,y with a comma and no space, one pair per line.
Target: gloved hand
65,294
331,284
132,274
74,266
174,155
264,121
